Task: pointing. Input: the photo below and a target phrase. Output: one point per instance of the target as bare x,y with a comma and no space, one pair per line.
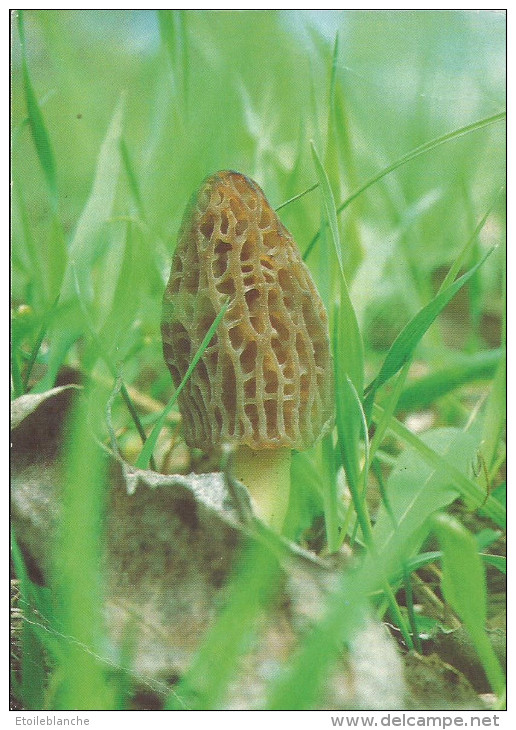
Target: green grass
386,162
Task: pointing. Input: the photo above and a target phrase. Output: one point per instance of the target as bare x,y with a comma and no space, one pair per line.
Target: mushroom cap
266,378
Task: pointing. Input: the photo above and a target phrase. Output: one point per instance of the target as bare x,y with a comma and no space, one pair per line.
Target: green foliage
117,116
464,587
404,345
77,581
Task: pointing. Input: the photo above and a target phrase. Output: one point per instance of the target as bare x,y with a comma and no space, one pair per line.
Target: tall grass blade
301,684
421,150
330,495
84,249
297,197
77,574
173,36
132,178
149,446
338,161
352,363
412,155
39,341
86,244
253,588
37,124
348,354
495,416
389,410
406,342
464,587
37,266
467,248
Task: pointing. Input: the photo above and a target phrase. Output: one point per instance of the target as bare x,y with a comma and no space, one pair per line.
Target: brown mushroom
265,382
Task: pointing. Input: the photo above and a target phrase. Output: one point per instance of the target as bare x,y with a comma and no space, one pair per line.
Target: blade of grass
463,255
253,588
85,247
495,415
150,444
348,356
101,352
426,390
339,162
464,588
132,178
77,578
33,663
39,341
364,473
86,243
297,197
405,343
413,154
355,482
330,497
16,378
56,248
498,561
352,363
389,409
173,36
465,486
37,264
36,122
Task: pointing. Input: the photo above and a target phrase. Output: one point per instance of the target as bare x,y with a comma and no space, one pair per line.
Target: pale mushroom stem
266,474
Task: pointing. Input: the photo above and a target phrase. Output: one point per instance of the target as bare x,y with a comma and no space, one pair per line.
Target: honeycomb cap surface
266,378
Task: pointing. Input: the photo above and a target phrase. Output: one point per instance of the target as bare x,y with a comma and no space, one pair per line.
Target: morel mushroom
265,382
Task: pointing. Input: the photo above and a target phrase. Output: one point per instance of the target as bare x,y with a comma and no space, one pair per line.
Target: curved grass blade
150,444
469,490
464,587
461,258
297,197
403,346
426,390
413,154
498,561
